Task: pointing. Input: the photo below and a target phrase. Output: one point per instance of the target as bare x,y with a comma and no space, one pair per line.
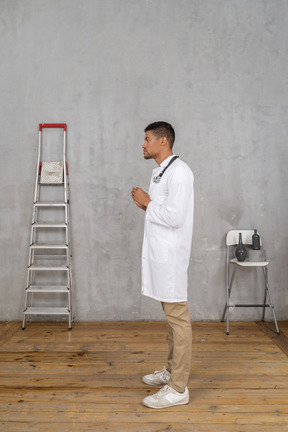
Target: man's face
151,146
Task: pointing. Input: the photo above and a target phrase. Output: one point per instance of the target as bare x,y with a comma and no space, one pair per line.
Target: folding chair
232,239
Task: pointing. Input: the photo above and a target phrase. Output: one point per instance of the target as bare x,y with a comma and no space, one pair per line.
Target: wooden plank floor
89,378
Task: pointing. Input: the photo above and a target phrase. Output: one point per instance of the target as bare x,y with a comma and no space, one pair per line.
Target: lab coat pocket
158,250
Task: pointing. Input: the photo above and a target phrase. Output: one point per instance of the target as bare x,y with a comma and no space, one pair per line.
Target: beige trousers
179,344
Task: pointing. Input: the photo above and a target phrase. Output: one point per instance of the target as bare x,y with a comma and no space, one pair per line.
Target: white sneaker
157,378
166,397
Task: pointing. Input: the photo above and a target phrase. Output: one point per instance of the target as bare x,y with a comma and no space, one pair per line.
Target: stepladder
48,291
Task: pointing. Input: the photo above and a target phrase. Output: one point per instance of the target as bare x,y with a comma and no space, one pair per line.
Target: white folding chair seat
232,240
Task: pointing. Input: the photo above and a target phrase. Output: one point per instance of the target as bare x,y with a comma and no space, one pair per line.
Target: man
169,208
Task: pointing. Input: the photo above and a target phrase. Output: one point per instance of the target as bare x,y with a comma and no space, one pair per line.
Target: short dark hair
162,129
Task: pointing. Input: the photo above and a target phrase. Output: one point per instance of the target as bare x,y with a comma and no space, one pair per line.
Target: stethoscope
159,176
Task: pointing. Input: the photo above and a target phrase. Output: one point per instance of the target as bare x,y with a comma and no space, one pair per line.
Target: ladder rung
48,246
51,184
49,225
49,257
48,289
50,204
46,311
48,267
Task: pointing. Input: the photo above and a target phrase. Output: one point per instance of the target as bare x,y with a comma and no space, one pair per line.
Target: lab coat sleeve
173,211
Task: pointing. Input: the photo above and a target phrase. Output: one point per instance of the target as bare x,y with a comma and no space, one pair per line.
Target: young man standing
169,208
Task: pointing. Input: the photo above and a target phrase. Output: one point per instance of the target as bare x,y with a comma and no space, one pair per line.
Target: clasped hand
140,198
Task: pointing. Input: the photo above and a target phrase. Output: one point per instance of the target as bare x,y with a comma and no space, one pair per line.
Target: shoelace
164,372
166,389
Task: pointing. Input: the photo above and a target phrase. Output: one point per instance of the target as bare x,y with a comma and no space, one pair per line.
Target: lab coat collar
166,161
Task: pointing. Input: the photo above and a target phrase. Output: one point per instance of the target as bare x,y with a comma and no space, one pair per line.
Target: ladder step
48,289
48,246
48,267
50,204
49,225
51,184
50,257
46,311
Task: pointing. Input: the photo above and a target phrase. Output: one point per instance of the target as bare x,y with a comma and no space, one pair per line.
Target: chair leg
226,308
224,312
265,292
271,305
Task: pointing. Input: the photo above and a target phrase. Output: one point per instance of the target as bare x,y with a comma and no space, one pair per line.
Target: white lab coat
168,233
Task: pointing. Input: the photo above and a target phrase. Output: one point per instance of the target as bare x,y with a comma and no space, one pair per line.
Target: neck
160,158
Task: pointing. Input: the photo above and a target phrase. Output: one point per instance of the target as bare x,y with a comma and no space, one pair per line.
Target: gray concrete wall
216,69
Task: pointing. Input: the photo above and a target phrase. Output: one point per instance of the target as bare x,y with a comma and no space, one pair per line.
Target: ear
164,142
